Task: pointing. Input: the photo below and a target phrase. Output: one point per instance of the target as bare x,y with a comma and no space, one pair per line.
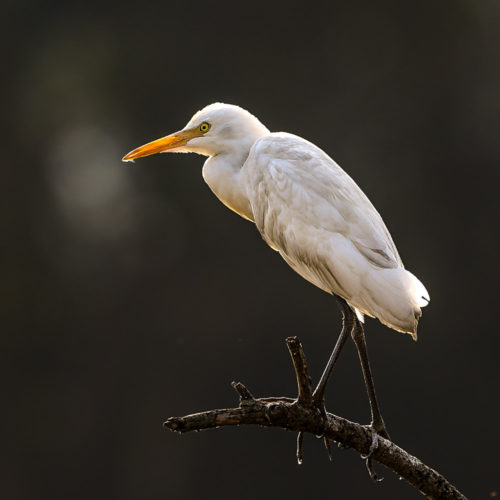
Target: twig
301,371
301,415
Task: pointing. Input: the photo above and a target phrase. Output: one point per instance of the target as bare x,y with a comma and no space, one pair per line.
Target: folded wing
309,210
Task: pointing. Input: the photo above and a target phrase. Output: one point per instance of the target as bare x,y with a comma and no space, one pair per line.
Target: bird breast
223,176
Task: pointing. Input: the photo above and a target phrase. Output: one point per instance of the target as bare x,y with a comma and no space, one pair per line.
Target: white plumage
309,210
305,207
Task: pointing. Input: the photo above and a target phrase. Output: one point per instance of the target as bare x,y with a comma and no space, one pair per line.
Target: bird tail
398,299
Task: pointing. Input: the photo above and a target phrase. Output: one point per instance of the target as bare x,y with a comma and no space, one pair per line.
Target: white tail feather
395,297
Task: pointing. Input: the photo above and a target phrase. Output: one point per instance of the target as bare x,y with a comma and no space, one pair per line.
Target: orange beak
162,145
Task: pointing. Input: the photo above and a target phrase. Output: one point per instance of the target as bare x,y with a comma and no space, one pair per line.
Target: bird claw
373,446
300,452
373,475
328,448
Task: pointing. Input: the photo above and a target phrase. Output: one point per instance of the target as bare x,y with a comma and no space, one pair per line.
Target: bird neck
223,175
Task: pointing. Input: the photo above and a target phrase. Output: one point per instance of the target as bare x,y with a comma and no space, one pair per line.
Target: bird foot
327,442
320,405
378,430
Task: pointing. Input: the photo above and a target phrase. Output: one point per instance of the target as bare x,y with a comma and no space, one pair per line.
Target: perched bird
311,212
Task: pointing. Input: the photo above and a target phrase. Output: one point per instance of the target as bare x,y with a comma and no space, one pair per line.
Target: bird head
216,129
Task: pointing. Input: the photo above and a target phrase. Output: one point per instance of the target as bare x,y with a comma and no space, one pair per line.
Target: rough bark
302,415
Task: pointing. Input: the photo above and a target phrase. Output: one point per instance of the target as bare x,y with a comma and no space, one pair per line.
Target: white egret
311,212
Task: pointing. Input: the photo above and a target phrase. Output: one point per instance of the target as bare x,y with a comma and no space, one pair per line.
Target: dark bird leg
352,326
377,423
348,323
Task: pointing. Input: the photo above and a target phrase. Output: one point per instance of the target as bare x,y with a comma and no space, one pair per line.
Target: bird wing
307,208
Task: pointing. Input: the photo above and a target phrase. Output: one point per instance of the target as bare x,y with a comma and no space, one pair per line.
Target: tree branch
301,415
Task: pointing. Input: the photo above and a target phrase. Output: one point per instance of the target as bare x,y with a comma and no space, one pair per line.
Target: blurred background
130,293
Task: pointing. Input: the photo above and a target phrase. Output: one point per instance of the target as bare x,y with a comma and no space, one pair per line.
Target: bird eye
204,127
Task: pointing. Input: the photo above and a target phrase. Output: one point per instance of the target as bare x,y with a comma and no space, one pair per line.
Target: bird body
305,207
309,210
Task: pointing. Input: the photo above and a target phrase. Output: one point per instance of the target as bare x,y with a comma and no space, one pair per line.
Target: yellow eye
204,127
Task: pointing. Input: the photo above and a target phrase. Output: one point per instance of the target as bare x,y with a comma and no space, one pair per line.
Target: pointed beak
162,145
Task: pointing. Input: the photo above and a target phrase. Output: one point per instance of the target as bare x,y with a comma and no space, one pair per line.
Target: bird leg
348,322
352,326
377,423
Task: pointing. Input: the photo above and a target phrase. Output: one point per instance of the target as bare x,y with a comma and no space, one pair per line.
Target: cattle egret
311,212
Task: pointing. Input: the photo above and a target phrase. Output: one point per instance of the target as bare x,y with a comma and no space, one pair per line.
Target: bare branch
301,415
244,393
300,366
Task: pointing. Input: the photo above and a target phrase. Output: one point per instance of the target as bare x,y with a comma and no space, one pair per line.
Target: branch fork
303,414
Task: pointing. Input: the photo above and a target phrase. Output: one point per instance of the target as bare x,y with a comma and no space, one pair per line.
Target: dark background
130,294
